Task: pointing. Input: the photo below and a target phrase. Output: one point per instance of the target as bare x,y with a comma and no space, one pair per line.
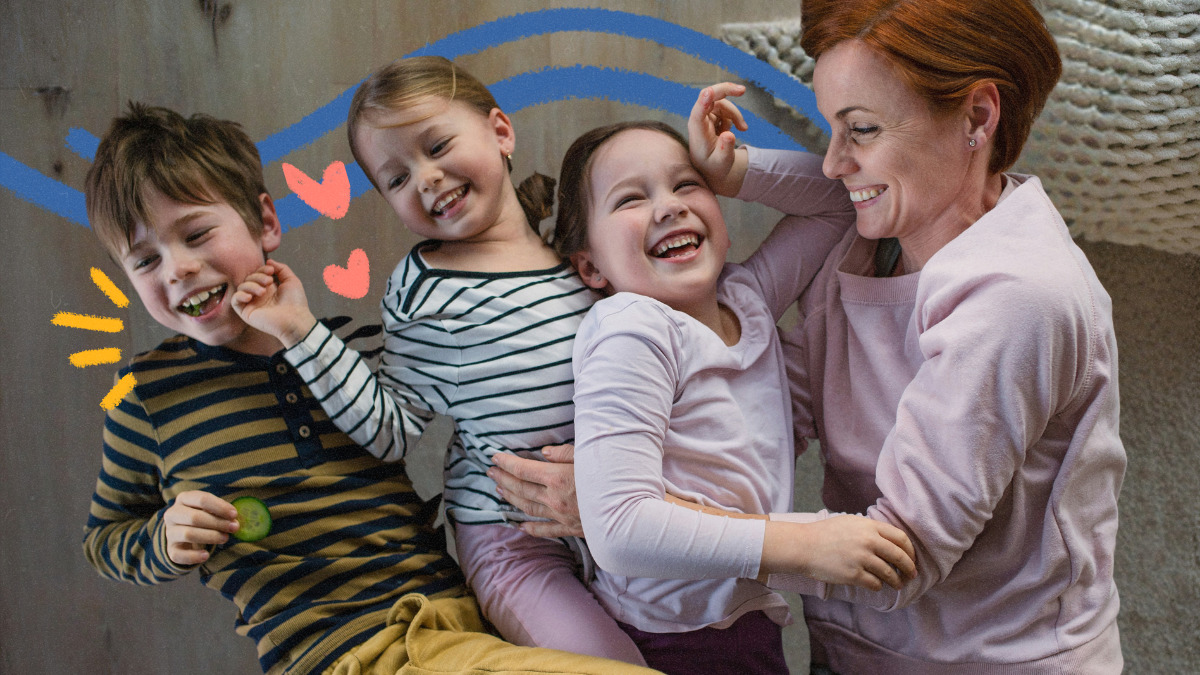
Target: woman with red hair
956,356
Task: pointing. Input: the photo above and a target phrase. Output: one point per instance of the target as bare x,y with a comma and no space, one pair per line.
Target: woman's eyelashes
859,131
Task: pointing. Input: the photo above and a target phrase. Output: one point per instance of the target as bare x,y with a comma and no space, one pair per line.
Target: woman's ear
588,272
983,111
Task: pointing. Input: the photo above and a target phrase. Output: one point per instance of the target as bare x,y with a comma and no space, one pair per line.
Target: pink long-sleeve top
973,404
662,404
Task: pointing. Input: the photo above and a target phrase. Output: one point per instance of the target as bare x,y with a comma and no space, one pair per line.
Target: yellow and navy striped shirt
350,535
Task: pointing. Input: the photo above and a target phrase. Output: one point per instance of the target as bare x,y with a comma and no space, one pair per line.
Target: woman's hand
711,142
541,489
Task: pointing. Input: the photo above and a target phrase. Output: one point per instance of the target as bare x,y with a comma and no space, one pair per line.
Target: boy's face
188,260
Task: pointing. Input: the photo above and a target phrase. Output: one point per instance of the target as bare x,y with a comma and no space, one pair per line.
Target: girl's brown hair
406,82
574,182
945,48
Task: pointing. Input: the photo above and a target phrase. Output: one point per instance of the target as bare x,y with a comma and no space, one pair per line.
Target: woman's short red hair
945,48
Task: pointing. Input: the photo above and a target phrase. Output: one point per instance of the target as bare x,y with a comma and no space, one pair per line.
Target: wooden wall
73,64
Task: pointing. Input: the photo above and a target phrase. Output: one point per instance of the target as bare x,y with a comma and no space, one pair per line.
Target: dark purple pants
753,645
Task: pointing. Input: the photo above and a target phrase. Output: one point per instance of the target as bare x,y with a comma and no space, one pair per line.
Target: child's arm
626,383
817,209
376,417
132,534
845,549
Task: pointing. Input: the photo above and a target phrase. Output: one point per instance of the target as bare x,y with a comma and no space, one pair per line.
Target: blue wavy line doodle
513,94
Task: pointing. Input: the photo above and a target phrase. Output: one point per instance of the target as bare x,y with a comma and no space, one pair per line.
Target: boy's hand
541,489
711,142
851,550
272,300
196,521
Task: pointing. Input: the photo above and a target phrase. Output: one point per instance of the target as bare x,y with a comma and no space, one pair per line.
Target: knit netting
1118,143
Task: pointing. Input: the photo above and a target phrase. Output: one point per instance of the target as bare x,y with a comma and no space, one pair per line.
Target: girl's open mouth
677,245
447,202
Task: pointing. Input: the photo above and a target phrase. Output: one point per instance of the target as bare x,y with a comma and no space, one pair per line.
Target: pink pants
528,589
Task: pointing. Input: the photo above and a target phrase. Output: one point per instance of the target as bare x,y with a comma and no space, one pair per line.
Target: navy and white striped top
490,350
350,535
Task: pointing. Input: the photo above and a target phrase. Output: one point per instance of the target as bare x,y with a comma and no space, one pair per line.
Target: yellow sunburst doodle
104,324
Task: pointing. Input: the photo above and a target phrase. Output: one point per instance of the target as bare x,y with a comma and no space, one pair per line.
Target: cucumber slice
254,520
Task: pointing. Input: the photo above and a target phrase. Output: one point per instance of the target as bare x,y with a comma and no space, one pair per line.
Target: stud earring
971,142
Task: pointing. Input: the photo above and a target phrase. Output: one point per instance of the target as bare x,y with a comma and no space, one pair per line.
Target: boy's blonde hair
192,160
407,82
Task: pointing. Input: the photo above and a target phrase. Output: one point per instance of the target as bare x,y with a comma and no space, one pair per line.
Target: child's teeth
192,304
444,201
681,240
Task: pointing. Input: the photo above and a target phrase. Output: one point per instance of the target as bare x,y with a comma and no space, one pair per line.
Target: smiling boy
352,573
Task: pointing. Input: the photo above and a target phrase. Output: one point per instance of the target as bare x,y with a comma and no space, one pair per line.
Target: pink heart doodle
353,280
330,197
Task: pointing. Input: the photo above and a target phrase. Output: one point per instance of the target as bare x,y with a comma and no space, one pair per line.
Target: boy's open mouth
203,301
677,245
449,200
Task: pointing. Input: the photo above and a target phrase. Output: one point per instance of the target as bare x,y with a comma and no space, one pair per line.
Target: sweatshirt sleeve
125,537
378,417
818,212
624,385
1001,355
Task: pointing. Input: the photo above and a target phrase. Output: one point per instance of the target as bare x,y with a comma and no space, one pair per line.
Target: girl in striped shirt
479,322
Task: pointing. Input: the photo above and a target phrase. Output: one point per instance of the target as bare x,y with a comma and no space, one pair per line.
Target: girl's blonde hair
406,82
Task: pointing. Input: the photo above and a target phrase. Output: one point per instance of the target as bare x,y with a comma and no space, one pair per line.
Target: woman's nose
838,163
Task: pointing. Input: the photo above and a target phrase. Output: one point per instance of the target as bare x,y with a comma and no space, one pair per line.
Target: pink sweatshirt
662,404
973,404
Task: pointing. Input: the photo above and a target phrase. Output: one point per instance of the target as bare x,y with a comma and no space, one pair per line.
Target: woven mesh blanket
1118,144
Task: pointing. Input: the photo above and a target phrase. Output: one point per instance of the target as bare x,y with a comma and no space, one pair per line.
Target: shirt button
304,431
281,368
291,397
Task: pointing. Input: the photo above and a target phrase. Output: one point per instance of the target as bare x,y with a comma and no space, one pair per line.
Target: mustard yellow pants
445,635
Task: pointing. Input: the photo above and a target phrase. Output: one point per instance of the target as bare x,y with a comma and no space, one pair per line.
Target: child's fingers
208,503
199,536
901,554
184,554
732,114
722,90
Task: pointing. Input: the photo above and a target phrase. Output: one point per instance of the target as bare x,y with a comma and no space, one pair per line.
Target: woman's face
905,166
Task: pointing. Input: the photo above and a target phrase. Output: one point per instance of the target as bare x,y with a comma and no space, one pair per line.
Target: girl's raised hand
711,142
272,300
